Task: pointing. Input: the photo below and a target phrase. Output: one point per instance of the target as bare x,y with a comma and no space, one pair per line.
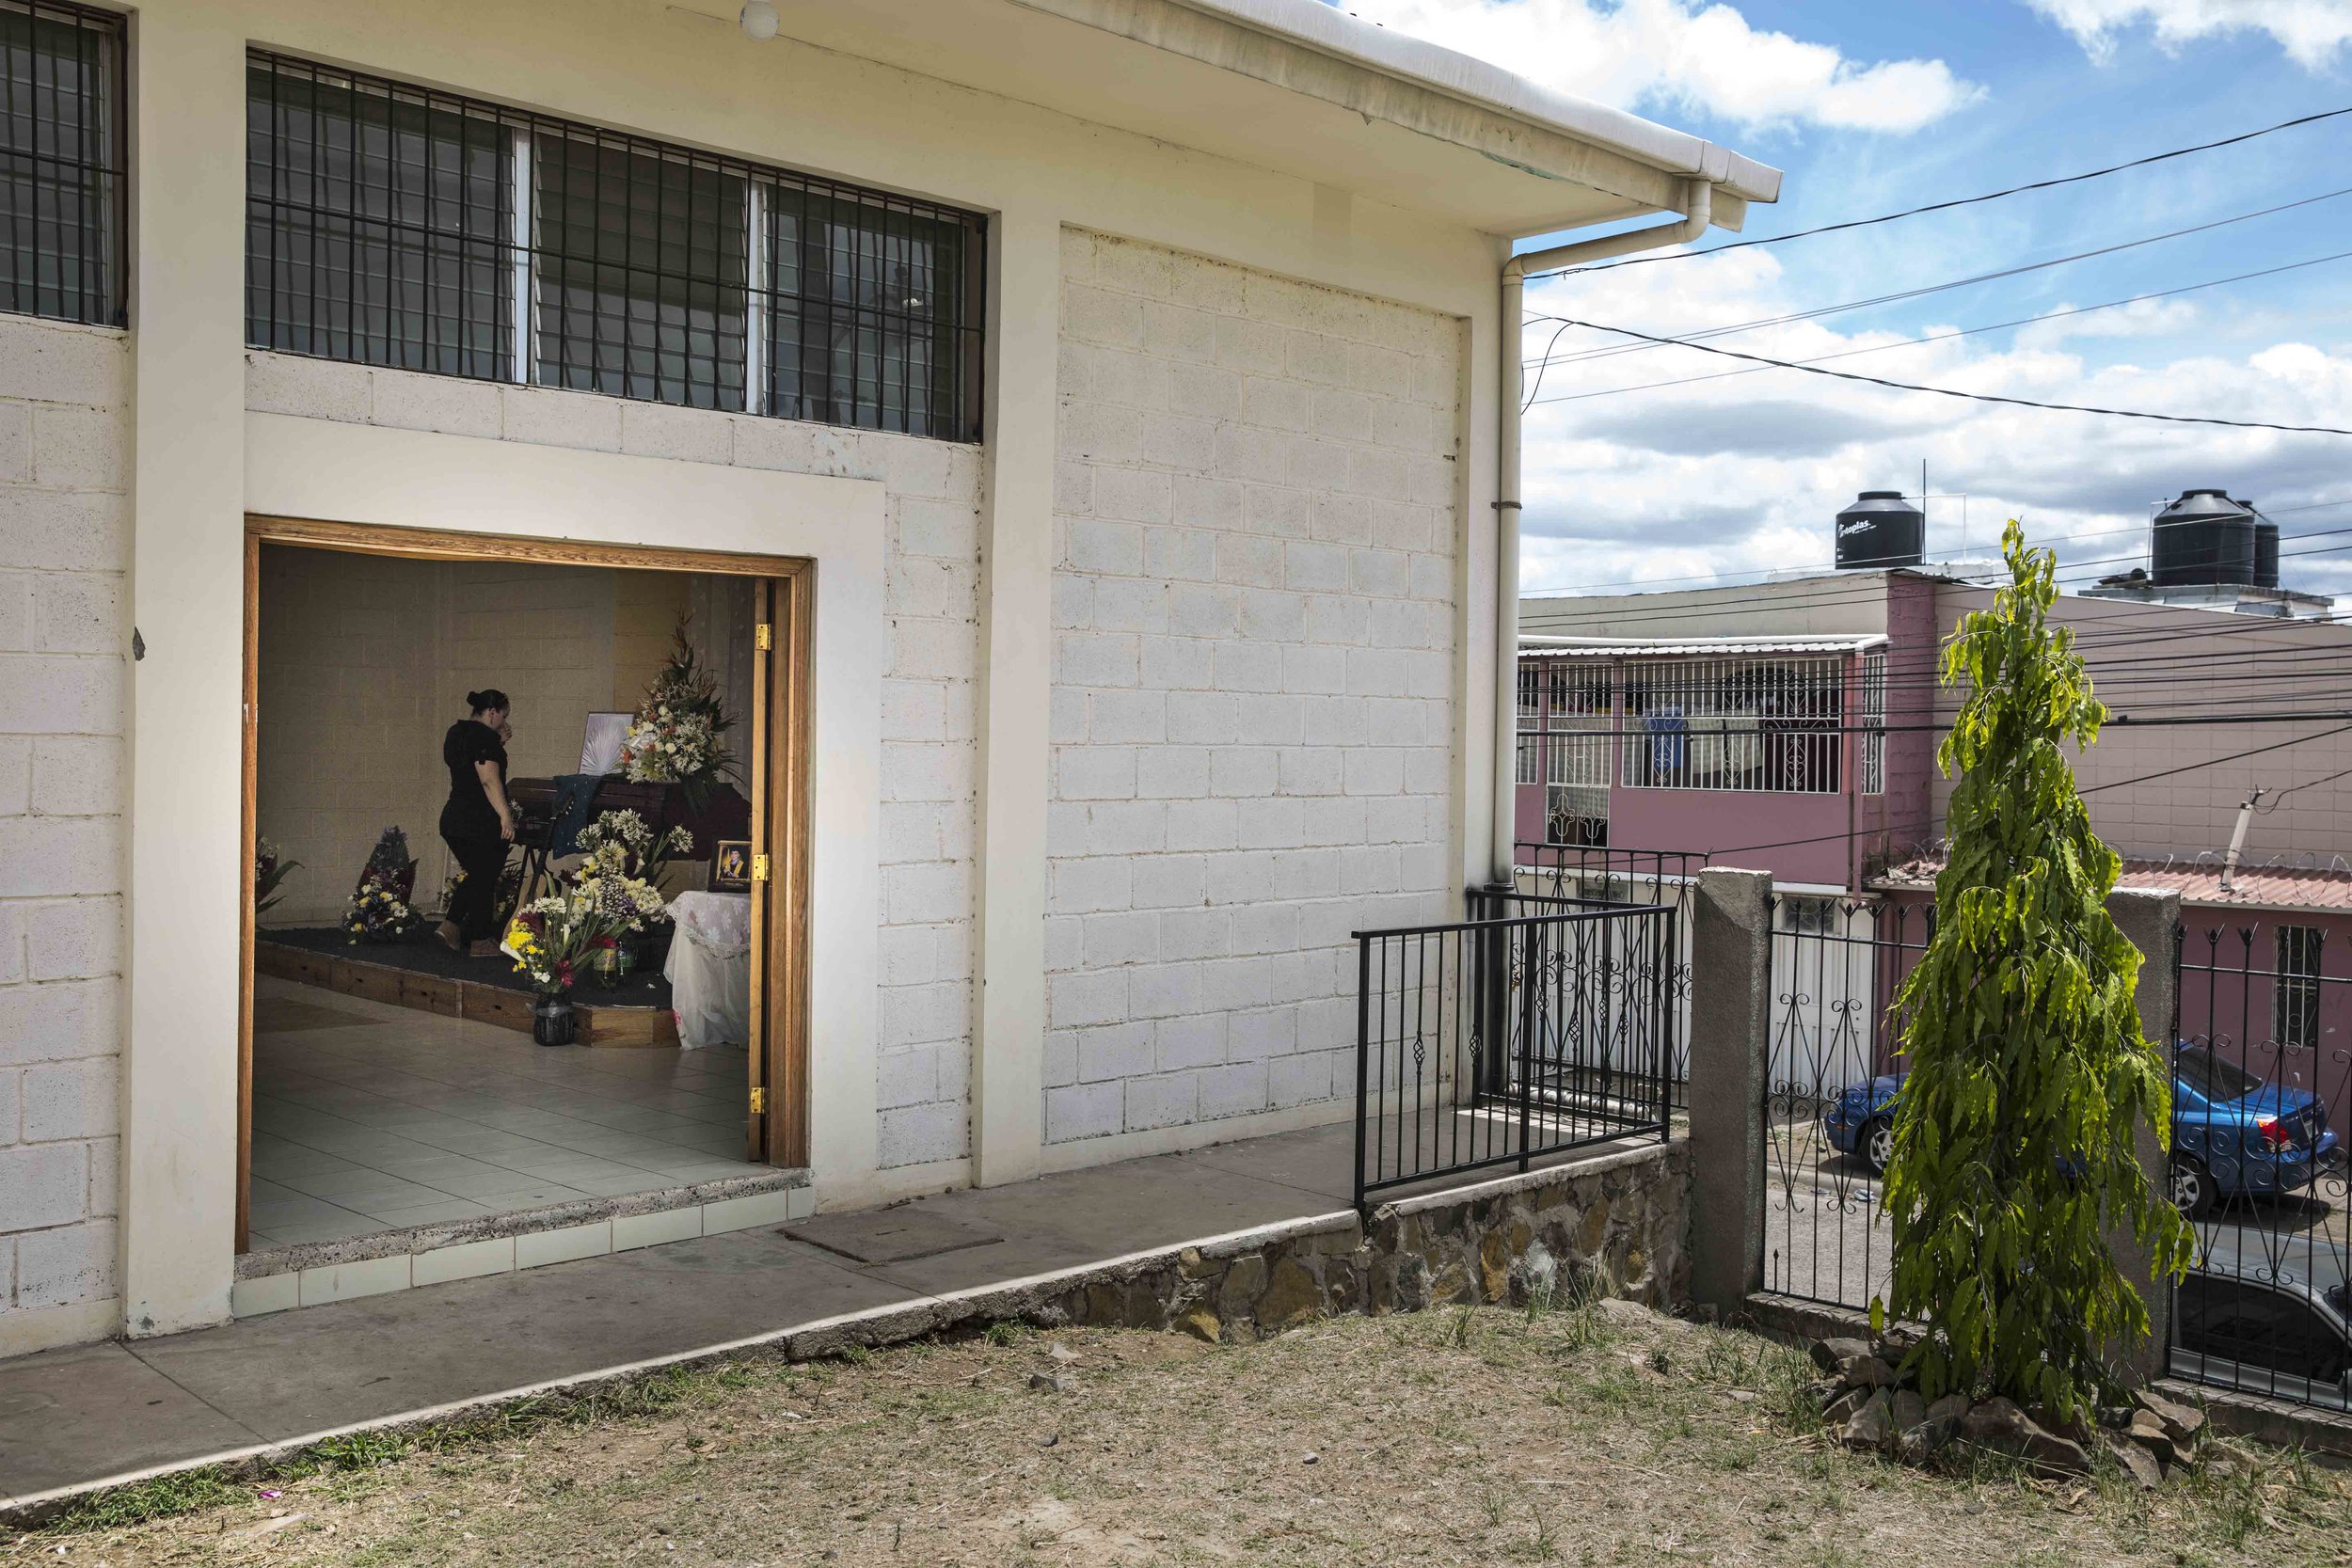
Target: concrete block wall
365,662
346,693
1252,678
64,693
923,1074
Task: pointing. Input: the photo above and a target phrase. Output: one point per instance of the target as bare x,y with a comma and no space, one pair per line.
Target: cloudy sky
1872,106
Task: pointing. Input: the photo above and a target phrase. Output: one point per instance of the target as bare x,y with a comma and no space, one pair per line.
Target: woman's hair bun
486,699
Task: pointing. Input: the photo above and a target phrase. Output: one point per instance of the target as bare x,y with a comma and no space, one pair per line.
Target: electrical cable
1973,397
1548,359
1728,579
1957,202
2091,789
1943,337
1546,622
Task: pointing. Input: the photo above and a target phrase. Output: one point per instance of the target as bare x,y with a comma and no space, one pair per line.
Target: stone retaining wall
1622,1219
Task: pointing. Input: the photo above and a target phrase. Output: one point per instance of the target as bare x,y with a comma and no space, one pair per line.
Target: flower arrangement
380,908
675,737
605,898
270,868
623,840
551,940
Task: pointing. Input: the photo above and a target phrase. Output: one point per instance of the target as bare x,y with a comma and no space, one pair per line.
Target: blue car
2233,1134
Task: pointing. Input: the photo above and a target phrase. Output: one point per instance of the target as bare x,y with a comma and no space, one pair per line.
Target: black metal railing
1601,874
2261,1072
1537,1025
1829,1085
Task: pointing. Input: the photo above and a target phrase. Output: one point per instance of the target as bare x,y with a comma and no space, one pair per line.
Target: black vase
553,1021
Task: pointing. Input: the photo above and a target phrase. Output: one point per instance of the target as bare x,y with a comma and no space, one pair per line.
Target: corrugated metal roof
1638,647
2199,882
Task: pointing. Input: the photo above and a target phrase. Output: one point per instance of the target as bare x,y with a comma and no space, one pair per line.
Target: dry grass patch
1593,1435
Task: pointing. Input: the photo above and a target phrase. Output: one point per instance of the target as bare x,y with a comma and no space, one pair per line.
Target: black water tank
2203,537
2265,554
1881,530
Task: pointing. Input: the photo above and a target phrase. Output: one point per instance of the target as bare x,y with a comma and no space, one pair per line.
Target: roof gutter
1697,208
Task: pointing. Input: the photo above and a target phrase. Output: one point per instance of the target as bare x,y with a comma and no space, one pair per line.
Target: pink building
1790,726
1796,749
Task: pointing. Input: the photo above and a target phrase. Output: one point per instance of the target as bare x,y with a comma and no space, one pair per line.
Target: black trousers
473,908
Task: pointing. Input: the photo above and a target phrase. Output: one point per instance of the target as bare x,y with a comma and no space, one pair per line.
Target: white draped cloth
710,969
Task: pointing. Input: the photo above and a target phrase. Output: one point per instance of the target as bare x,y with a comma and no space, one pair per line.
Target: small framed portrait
731,866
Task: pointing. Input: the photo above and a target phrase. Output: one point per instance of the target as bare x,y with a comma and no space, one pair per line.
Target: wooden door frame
789,767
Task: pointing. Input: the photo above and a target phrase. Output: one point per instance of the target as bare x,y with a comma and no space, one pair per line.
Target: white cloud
1678,55
2142,318
2311,31
1744,475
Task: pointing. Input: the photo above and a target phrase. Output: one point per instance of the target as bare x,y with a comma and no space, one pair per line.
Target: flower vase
552,1020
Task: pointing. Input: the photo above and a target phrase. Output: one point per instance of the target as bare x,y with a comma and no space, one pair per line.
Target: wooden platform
623,1028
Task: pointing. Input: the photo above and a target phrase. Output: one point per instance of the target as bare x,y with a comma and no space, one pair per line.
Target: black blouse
469,813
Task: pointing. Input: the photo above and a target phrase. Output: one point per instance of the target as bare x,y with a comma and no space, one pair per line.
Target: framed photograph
731,866
600,750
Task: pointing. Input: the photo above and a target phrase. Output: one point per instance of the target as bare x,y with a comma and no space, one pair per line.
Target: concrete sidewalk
70,1419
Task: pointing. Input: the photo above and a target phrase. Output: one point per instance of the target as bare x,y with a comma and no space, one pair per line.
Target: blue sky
1870,107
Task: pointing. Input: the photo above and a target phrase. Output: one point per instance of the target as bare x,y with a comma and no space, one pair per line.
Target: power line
1763,574
1831,593
2092,789
1923,290
1971,397
1947,337
1958,201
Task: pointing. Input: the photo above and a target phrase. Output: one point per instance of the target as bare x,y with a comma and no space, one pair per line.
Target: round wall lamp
758,20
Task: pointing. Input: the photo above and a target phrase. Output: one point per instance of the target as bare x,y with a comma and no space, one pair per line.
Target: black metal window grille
378,224
2294,999
405,226
62,207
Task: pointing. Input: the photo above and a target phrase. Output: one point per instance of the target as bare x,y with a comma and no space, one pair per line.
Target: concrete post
2149,920
1731,993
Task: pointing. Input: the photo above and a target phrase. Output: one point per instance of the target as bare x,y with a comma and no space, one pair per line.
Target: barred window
1529,767
1874,724
2294,1003
379,225
642,265
402,226
62,207
1725,724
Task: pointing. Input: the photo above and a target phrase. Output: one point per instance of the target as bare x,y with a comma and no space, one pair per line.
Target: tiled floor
372,1117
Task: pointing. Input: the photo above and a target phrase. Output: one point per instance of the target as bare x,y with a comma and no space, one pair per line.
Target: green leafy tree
2029,1068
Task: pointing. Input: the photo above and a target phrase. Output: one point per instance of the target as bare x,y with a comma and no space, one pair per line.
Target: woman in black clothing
477,824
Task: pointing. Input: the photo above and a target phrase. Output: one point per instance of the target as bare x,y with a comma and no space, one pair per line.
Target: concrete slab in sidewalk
294,1373
94,1410
99,1414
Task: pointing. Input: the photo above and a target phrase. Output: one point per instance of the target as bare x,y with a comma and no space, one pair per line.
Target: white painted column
187,587
1016,663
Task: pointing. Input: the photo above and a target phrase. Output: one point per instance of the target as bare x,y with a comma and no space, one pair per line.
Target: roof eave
1317,50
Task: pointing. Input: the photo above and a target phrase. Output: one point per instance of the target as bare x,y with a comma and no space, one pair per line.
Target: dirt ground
1594,1435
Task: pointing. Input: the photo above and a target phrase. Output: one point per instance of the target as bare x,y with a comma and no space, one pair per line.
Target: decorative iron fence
2260,1071
1829,1089
1537,1025
1599,875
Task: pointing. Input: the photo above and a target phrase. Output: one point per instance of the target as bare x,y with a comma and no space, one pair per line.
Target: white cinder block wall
923,1073
1252,678
64,637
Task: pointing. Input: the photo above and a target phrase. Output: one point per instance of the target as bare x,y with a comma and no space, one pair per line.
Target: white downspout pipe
1698,200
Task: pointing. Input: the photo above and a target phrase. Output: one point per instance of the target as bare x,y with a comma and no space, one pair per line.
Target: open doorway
393,1077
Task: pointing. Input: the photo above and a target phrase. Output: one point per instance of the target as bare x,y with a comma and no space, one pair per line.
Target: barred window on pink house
1765,724
1873,723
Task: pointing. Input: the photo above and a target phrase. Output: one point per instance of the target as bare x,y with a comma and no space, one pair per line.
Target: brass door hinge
759,868
763,636
759,1101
